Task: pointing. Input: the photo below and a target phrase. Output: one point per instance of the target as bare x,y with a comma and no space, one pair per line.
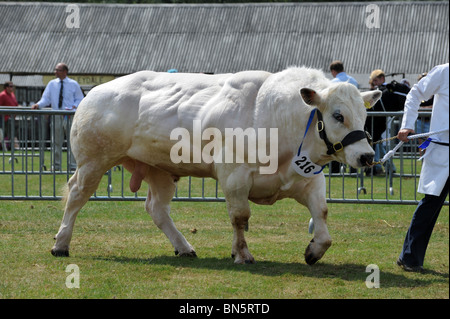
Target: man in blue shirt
61,93
337,70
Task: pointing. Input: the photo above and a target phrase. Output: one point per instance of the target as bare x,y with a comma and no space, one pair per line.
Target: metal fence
28,172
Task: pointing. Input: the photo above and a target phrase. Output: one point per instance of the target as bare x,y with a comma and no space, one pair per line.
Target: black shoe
409,268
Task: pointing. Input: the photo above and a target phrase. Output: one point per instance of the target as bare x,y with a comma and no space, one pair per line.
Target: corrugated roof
120,39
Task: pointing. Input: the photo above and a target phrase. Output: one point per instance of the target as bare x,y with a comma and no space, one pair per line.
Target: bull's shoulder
241,79
233,105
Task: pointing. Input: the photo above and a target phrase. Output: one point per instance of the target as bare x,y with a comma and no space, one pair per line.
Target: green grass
122,254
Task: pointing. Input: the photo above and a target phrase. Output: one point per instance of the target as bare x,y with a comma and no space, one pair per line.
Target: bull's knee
240,222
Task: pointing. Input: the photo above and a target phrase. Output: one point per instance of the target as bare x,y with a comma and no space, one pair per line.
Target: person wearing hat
392,99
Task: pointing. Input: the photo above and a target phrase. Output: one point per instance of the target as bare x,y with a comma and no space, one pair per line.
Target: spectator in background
434,176
7,98
61,93
337,71
392,99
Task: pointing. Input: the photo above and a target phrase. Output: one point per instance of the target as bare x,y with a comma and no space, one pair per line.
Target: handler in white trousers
434,177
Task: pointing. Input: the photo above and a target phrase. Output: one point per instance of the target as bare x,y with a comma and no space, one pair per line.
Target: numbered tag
303,165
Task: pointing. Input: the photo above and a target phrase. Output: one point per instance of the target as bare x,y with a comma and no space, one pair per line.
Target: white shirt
72,94
435,168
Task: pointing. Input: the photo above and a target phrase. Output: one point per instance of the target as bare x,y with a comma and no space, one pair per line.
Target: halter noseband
350,138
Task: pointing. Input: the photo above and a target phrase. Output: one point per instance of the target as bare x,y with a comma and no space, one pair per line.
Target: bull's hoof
246,260
60,253
192,254
310,258
315,252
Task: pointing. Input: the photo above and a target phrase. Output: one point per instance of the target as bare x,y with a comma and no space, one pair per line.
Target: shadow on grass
347,272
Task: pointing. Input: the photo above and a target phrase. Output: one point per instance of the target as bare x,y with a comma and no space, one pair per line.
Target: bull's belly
157,154
266,189
181,170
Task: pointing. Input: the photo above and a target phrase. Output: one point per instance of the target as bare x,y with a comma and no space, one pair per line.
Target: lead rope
410,137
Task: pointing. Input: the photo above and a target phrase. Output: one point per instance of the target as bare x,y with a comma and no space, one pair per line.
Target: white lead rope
410,137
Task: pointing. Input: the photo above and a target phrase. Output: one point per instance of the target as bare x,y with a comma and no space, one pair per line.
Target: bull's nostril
366,159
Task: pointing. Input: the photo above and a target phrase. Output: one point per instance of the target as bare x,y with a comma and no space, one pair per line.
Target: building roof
119,39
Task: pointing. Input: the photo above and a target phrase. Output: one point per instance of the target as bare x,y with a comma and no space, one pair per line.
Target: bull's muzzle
366,159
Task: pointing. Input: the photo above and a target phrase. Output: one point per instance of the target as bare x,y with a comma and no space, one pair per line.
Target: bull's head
340,121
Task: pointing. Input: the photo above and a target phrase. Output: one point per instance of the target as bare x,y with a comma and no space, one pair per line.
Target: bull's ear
310,96
370,98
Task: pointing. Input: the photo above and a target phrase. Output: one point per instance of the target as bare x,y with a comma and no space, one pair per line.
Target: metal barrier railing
29,170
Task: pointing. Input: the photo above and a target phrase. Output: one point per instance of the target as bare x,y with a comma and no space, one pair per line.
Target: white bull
129,121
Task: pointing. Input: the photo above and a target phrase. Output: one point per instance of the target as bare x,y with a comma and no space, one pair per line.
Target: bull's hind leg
80,188
157,204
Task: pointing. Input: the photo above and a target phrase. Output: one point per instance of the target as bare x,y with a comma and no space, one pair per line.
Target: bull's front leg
239,216
322,240
236,186
312,195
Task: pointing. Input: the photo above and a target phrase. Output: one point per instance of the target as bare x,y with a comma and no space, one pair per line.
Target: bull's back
133,116
171,101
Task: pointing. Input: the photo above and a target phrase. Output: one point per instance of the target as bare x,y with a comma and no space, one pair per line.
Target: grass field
121,253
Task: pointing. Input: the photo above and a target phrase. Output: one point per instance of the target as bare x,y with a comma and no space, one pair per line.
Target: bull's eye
338,116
